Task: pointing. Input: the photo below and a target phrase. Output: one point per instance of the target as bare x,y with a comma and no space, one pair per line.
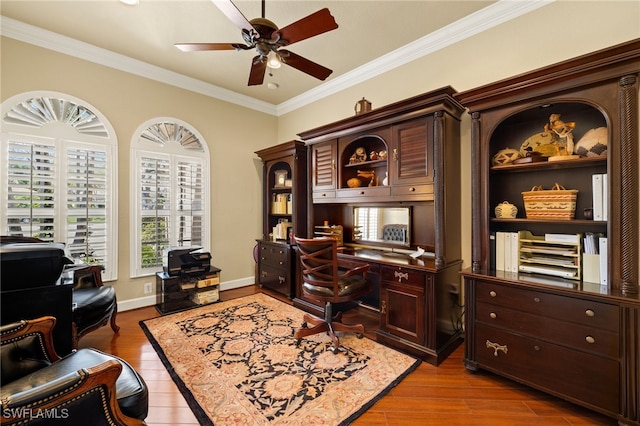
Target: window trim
69,137
143,147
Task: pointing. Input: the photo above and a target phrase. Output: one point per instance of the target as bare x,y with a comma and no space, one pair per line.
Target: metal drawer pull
492,293
383,307
496,347
264,274
281,280
536,299
590,313
401,275
590,339
281,262
493,315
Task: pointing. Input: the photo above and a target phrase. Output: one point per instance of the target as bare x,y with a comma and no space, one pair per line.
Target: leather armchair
94,304
85,387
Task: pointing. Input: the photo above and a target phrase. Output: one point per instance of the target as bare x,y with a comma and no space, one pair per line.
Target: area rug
237,363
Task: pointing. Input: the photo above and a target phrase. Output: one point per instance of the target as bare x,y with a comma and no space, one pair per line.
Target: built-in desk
419,307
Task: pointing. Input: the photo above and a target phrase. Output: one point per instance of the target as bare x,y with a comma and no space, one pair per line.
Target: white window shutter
31,190
86,227
155,204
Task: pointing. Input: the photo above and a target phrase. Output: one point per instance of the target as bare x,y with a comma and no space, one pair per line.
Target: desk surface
424,262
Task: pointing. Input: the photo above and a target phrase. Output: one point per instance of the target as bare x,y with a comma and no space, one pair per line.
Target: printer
185,261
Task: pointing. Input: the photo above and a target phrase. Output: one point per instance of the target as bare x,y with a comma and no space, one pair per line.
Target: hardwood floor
444,395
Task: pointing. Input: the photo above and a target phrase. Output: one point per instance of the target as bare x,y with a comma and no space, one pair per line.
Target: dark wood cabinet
403,154
276,268
412,163
323,172
570,337
403,291
284,213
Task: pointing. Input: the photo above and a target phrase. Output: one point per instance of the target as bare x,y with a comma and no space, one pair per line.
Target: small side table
185,291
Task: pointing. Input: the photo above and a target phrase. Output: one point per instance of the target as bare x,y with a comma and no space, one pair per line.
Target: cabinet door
323,157
412,154
403,303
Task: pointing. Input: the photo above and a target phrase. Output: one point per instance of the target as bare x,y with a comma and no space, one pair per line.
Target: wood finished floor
444,395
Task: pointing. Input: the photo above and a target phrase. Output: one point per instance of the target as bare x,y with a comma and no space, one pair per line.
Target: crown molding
482,20
72,47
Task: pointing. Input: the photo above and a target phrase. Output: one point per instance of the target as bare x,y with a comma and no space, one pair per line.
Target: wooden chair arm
88,277
42,327
359,270
94,384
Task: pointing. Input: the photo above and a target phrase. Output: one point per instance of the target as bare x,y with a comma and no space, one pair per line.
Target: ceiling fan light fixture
274,61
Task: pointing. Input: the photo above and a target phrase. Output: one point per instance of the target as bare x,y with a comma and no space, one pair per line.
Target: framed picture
281,178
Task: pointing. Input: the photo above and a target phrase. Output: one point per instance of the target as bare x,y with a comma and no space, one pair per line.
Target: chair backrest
319,261
323,281
89,276
26,346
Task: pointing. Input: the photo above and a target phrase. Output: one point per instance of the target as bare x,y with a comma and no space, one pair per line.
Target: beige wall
232,133
559,31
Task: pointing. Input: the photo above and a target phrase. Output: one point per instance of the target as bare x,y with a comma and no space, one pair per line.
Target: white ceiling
373,36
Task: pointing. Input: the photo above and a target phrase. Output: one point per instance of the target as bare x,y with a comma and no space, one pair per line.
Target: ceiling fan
267,39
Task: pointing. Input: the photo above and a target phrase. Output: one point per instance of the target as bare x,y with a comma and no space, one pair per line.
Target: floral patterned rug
236,362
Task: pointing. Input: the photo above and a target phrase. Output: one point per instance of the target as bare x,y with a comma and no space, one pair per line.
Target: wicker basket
555,203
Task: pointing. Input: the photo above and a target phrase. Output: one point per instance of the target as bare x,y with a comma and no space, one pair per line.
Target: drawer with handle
402,276
275,255
582,311
578,336
552,368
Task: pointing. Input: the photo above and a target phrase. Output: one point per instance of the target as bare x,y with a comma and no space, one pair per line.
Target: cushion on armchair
21,357
87,386
91,305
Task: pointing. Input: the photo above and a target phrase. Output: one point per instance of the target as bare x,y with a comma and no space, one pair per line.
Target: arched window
58,181
170,191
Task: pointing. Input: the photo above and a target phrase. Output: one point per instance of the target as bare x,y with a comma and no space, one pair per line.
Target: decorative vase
506,210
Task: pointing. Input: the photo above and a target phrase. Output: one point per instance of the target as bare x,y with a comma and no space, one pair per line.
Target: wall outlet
147,288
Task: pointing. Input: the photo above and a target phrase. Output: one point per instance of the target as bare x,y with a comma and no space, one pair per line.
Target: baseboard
150,300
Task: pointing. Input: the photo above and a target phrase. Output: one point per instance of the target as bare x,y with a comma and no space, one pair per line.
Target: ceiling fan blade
195,47
231,11
305,65
258,69
312,25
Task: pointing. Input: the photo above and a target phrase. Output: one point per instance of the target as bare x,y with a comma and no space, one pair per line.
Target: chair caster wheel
333,349
359,335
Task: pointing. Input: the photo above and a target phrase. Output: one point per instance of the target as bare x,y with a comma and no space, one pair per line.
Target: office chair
325,283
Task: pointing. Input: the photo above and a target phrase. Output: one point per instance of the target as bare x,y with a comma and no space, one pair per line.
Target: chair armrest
81,397
359,270
89,276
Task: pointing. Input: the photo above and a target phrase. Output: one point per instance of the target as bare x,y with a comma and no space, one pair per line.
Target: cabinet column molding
630,368
438,183
476,189
629,183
